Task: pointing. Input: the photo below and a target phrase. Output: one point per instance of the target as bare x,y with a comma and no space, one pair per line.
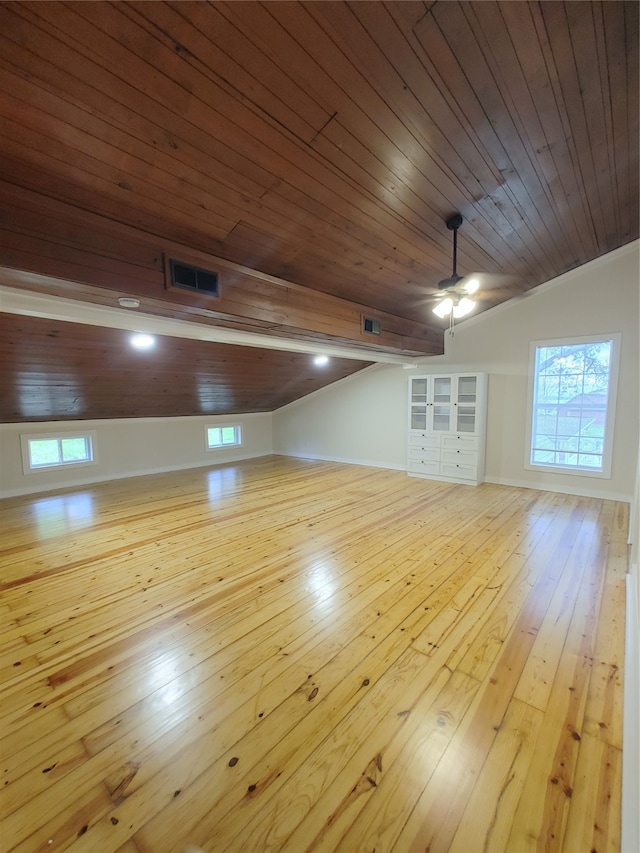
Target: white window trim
238,431
56,436
607,455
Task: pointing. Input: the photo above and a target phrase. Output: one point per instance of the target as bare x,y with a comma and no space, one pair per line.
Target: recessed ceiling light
142,341
128,302
321,360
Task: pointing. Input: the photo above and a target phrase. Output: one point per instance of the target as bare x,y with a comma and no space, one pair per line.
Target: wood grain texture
322,144
291,655
66,371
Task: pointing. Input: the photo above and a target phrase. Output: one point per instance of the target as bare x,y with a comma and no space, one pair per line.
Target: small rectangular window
225,435
55,451
572,405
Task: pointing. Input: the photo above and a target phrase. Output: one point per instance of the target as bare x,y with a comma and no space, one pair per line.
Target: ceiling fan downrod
453,223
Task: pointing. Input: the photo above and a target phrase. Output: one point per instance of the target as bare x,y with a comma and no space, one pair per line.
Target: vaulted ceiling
309,153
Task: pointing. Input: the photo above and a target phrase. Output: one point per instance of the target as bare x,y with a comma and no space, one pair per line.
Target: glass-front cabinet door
419,402
444,404
442,399
466,395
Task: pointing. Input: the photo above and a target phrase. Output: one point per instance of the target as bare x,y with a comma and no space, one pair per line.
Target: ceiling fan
458,295
455,291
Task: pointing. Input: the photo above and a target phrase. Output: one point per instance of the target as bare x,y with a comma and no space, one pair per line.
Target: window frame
614,365
90,437
238,437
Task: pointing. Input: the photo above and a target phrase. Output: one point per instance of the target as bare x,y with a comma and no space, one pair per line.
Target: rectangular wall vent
193,278
370,326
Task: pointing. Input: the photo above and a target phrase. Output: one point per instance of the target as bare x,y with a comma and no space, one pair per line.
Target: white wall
363,419
129,447
360,419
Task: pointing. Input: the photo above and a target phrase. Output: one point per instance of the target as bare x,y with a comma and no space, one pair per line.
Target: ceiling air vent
370,326
192,278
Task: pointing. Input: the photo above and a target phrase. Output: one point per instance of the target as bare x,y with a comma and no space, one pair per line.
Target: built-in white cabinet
447,417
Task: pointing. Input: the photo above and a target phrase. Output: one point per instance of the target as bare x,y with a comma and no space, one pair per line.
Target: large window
573,403
54,451
227,435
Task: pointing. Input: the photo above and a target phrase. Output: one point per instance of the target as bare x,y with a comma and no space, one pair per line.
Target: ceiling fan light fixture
472,285
443,309
465,306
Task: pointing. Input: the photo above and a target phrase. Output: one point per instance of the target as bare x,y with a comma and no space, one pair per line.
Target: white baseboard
343,460
579,490
630,842
30,489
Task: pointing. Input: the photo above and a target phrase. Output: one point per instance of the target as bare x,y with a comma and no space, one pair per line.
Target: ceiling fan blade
493,281
448,283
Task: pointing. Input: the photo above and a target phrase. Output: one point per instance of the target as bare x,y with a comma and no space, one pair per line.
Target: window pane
215,437
590,461
44,451
75,450
57,450
224,436
571,390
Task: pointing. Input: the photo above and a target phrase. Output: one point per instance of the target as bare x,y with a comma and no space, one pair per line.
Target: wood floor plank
291,655
486,822
604,712
552,549
66,826
435,819
595,792
409,762
244,822
536,680
543,811
393,617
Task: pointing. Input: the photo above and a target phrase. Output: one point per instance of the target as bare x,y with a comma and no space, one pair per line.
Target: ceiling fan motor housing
446,283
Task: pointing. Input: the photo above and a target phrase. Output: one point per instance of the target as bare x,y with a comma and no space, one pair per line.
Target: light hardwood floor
296,656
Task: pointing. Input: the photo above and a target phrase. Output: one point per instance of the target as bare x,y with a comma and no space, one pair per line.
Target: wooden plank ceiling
310,153
177,377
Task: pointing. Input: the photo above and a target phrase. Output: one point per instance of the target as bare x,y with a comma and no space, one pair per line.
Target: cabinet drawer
462,472
417,466
459,442
426,454
423,439
460,457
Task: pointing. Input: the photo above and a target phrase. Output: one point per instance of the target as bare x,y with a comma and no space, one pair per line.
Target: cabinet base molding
442,479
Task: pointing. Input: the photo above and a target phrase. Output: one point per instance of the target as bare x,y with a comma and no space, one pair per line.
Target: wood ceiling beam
57,249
